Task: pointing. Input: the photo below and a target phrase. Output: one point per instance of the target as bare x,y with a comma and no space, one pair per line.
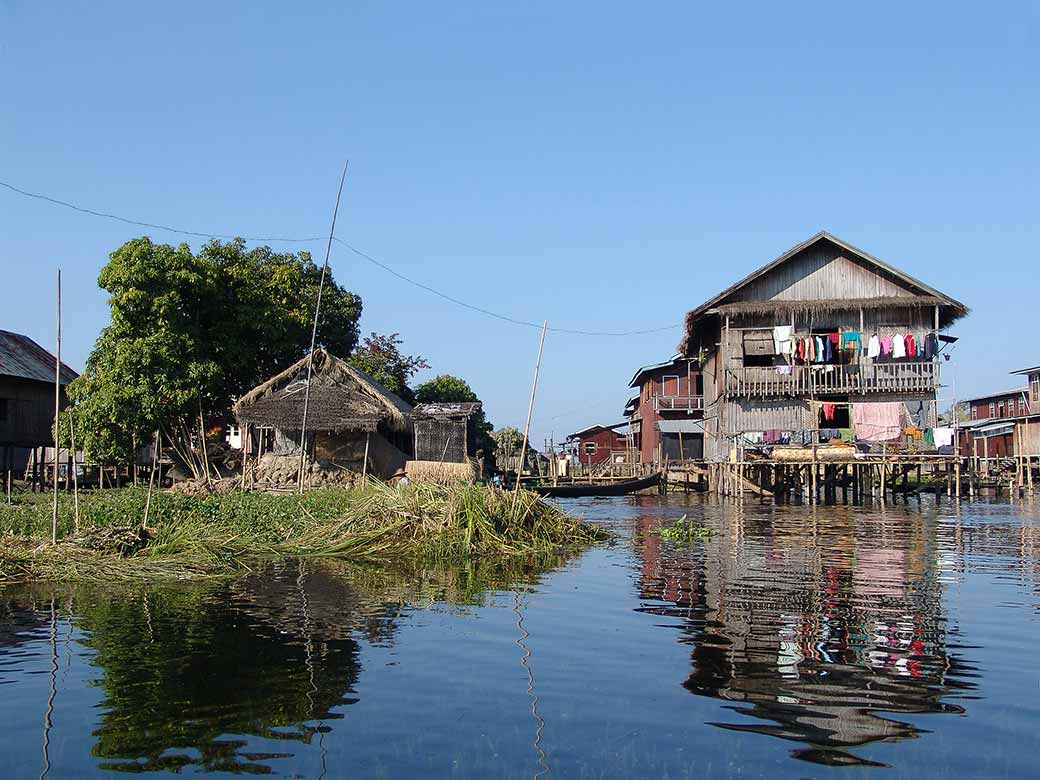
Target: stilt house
666,417
349,414
808,344
26,398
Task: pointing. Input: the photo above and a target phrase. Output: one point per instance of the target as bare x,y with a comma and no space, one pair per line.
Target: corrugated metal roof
22,357
681,426
447,409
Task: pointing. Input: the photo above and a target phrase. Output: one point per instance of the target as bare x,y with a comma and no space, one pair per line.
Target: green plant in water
682,530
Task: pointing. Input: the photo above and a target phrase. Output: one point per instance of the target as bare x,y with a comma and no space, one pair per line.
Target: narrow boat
619,488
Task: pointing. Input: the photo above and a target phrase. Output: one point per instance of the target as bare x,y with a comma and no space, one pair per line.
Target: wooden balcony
679,403
917,377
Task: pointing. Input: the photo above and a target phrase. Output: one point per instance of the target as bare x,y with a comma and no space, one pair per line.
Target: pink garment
877,421
886,346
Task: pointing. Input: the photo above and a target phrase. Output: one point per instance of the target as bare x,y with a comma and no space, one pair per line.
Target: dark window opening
3,410
841,418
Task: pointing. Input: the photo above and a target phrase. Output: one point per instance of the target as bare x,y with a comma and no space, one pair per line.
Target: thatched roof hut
342,399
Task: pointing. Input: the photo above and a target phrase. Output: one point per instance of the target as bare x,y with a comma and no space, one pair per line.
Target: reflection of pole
540,727
75,472
47,721
530,407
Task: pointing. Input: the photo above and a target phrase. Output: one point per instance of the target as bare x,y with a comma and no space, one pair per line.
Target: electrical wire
354,249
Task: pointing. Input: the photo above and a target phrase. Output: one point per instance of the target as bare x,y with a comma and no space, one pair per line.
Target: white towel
874,346
782,339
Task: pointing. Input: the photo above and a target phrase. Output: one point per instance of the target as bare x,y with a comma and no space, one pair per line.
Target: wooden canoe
619,488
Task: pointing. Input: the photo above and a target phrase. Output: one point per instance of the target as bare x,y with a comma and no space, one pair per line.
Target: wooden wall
29,412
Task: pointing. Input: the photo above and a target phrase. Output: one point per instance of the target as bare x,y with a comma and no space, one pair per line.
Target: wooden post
530,407
151,479
57,412
364,465
75,475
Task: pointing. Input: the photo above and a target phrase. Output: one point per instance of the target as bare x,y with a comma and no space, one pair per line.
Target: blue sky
605,166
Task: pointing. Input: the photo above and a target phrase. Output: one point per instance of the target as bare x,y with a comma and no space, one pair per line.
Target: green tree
189,332
381,358
508,440
450,389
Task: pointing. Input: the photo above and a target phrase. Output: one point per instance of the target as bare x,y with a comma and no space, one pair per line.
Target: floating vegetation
682,530
191,536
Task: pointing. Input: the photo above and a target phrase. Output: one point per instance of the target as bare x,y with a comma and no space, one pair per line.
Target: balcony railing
919,377
679,403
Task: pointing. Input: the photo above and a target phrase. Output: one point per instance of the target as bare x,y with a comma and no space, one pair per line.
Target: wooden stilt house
349,414
789,352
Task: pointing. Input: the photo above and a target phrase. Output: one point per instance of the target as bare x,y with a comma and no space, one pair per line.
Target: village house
353,423
27,400
824,343
598,444
1003,425
666,414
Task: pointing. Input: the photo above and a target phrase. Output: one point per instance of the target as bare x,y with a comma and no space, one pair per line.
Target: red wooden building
598,443
1005,424
666,415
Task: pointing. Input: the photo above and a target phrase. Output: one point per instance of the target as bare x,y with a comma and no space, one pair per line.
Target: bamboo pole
57,412
151,479
314,326
75,475
530,408
364,465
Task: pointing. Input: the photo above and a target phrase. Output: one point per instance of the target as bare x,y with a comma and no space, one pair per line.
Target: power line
354,249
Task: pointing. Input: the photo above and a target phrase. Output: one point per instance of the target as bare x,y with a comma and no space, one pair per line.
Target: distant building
598,444
666,414
1004,424
26,398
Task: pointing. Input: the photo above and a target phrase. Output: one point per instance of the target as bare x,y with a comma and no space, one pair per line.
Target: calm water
794,642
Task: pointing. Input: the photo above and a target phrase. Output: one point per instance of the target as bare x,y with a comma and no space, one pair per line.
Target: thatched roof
923,295
342,398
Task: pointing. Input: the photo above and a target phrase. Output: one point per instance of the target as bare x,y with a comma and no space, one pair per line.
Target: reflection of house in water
811,629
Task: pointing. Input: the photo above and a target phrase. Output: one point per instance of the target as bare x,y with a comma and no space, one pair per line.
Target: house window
992,409
3,410
974,412
1000,409
1034,383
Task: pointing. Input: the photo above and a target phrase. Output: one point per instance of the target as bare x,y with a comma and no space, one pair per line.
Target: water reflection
813,623
230,676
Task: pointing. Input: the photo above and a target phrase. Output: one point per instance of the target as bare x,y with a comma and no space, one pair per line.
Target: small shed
446,432
349,413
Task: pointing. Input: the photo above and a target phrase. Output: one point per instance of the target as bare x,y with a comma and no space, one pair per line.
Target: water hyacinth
195,536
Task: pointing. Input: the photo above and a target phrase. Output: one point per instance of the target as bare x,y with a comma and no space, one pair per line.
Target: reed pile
196,536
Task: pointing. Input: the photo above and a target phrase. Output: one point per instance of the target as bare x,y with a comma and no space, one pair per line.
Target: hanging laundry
914,433
878,421
782,335
943,436
929,437
886,346
899,347
911,345
828,351
834,338
931,347
828,412
826,434
819,350
846,435
783,370
917,413
850,339
874,346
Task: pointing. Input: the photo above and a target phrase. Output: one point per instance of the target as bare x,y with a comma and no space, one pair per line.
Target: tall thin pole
57,412
75,470
530,407
151,479
314,327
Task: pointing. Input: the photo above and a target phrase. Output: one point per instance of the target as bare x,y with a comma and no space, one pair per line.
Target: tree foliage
191,331
380,357
508,440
